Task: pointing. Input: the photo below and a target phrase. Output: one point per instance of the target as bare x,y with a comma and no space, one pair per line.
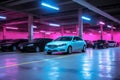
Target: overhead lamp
56,25
49,6
34,26
109,26
2,17
42,31
86,18
15,28
101,23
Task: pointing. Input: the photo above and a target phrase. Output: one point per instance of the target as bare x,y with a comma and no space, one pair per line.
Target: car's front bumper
56,50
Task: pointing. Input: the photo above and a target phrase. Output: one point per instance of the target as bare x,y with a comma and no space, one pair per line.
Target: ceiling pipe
96,10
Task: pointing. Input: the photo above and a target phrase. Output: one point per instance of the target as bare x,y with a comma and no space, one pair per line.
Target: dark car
36,45
4,41
100,44
89,43
12,45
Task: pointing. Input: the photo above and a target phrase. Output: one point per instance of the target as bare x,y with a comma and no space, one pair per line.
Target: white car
65,44
112,44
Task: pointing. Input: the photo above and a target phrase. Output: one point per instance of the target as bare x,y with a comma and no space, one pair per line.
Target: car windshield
111,41
63,39
101,41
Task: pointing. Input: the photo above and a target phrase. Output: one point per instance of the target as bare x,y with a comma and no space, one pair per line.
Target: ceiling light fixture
2,17
86,18
56,25
49,6
15,28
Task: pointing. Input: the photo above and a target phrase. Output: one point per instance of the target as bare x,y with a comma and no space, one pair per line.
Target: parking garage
32,20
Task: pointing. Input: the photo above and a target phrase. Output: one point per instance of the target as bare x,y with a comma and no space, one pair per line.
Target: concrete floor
98,64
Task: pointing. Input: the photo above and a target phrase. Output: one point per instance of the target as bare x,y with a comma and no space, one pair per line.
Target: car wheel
84,48
37,49
14,48
49,53
69,50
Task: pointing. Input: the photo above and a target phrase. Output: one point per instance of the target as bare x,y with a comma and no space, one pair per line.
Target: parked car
4,41
100,44
89,43
66,44
112,44
12,45
36,45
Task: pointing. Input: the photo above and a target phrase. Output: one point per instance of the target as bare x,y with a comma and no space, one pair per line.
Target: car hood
58,42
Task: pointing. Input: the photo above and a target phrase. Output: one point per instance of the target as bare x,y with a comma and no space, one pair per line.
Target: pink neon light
42,31
11,28
102,23
90,34
47,33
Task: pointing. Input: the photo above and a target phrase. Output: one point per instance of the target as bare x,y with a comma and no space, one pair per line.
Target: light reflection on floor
98,64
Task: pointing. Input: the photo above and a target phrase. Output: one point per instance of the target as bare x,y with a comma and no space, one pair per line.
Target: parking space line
36,61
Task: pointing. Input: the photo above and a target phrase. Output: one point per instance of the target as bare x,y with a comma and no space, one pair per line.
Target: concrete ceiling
17,11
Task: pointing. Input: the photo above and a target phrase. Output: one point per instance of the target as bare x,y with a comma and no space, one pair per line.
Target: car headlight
7,45
30,45
61,45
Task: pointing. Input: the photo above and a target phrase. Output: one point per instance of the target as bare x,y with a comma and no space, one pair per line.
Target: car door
80,43
74,44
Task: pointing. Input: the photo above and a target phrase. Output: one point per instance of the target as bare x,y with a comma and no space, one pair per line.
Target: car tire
69,50
84,48
49,53
37,49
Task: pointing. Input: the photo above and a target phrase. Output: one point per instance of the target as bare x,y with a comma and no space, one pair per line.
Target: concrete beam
96,10
19,2
59,4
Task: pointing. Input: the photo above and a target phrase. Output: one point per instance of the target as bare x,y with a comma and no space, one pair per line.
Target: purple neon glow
102,23
15,28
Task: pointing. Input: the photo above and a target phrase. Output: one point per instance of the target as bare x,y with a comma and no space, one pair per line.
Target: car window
77,39
63,39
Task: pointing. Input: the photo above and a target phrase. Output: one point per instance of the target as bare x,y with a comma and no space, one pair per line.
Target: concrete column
4,32
80,22
62,30
101,29
112,33
30,28
77,30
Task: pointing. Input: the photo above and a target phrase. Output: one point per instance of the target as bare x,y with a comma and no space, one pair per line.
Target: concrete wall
86,36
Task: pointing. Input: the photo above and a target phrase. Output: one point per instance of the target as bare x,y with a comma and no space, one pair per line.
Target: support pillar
80,22
112,33
62,31
77,30
101,29
4,32
30,28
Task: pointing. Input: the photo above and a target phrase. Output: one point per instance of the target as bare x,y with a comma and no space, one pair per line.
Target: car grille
52,46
